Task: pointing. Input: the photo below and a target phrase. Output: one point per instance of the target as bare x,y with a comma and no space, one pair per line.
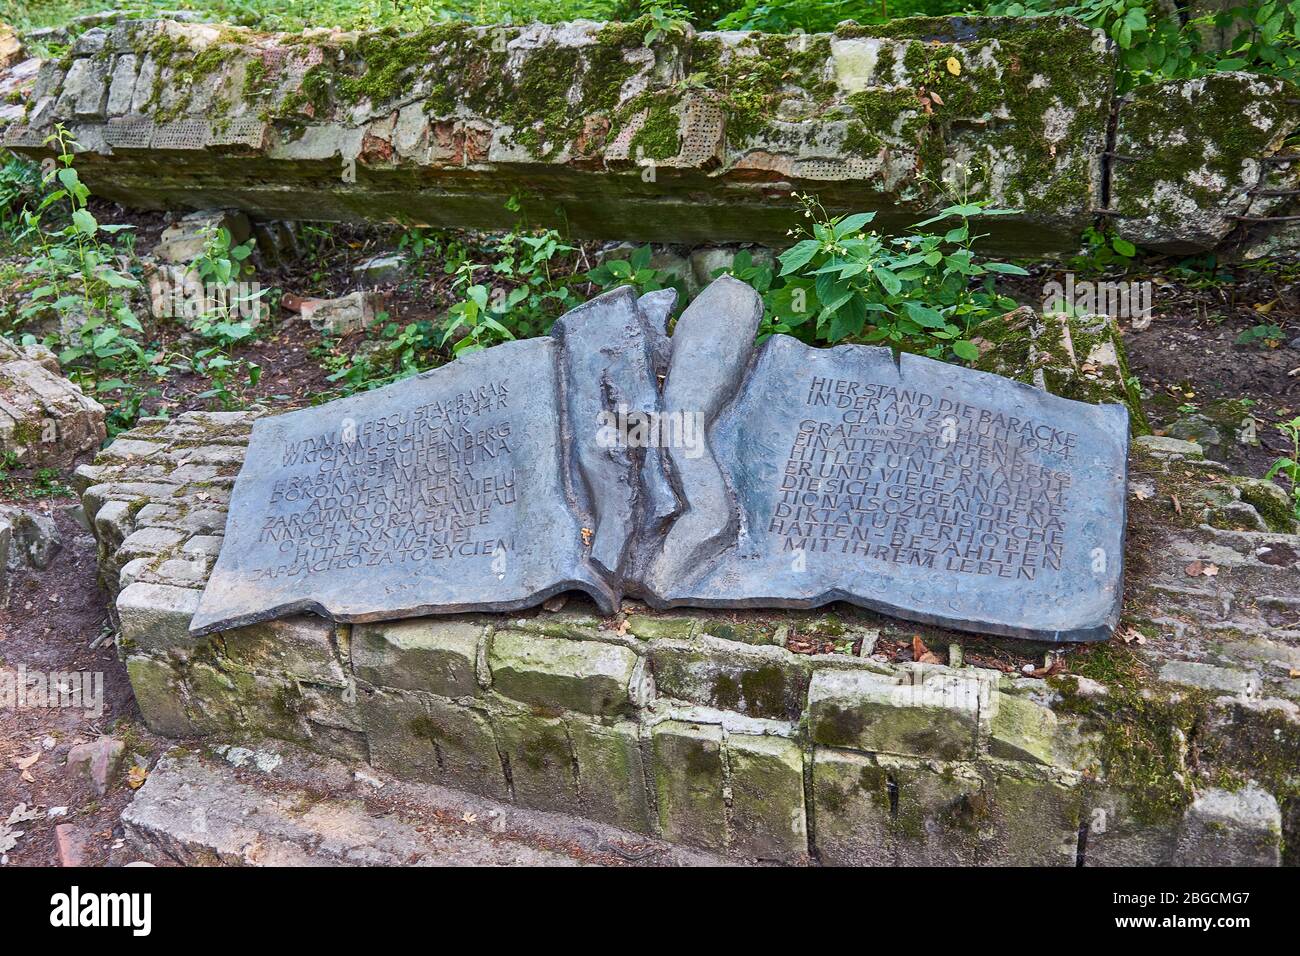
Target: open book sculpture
699,470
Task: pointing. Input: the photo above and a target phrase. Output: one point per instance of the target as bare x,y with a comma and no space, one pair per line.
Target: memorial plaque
776,476
451,491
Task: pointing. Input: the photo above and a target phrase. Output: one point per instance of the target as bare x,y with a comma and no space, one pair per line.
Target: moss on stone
658,137
1200,159
1139,730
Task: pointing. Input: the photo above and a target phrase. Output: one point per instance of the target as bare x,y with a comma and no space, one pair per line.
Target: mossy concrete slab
881,811
1231,828
1032,821
300,647
431,655
156,617
938,716
1022,728
611,774
758,681
158,693
768,818
688,781
536,750
590,677
435,741
229,701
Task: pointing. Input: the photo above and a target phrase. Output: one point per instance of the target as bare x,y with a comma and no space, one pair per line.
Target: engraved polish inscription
431,484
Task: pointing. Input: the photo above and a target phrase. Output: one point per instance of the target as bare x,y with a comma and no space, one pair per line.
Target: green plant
229,311
44,482
1266,334
77,278
818,16
1288,466
666,19
1103,251
1156,43
525,290
19,181
635,271
923,291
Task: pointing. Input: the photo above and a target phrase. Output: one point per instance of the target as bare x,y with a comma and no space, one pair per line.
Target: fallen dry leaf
25,762
954,66
469,817
8,838
1210,570
923,654
1131,635
1194,569
21,813
136,776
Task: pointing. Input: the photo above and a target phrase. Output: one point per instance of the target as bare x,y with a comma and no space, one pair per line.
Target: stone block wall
689,727
698,137
45,420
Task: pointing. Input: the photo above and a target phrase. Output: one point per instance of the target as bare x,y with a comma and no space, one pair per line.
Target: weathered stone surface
350,313
97,762
1180,184
156,617
928,712
439,657
185,240
229,702
536,750
45,420
590,677
1116,837
611,774
767,818
1033,820
444,124
1022,728
688,783
158,694
202,814
298,647
367,126
758,681
432,740
32,539
1231,828
882,811
1227,680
